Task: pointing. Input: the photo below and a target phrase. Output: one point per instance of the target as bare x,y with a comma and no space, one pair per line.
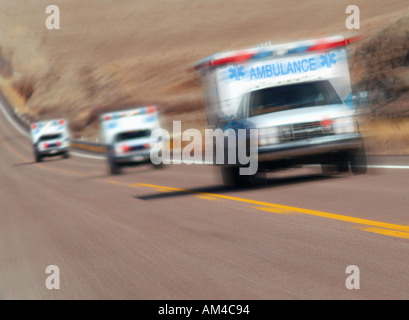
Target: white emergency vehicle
297,95
127,136
50,138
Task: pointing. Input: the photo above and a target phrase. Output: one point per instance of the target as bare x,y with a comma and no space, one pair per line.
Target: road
177,233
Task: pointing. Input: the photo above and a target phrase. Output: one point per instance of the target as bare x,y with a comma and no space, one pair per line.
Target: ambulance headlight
286,132
345,125
118,149
268,136
65,143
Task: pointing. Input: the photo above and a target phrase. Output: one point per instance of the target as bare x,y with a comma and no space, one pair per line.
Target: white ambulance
127,136
50,138
297,95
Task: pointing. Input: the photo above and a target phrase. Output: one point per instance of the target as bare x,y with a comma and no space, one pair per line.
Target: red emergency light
239,57
150,109
326,123
327,45
125,148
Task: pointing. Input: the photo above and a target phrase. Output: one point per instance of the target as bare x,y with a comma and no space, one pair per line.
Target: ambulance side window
242,110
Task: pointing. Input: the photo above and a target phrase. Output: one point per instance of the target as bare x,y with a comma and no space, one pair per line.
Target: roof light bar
140,111
242,56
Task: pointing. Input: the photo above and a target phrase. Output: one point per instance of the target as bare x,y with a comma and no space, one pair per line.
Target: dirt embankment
110,55
380,65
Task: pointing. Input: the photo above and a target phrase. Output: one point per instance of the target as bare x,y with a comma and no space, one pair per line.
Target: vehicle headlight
345,125
118,149
286,132
268,136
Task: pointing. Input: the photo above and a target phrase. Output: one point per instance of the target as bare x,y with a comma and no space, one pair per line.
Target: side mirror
221,119
356,102
364,97
361,101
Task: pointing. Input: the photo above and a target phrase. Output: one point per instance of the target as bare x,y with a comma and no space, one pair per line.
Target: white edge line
23,132
380,166
83,155
78,154
11,120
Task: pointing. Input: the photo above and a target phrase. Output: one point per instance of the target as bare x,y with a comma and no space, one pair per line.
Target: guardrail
88,146
83,145
24,124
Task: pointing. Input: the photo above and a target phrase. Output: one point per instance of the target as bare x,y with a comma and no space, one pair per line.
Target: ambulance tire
343,166
38,158
159,166
114,169
328,169
338,164
231,177
66,155
359,161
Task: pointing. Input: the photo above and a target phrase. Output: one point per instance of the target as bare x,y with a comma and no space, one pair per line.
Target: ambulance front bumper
52,151
133,157
311,147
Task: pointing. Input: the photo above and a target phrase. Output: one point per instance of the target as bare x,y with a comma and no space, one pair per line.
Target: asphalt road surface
177,233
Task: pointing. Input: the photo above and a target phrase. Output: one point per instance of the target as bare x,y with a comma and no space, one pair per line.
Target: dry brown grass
109,54
387,137
24,88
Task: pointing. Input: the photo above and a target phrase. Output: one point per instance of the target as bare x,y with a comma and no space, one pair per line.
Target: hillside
109,54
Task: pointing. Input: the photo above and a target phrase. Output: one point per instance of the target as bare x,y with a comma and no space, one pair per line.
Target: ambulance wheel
159,166
358,161
328,169
114,169
38,158
343,166
66,155
338,164
231,177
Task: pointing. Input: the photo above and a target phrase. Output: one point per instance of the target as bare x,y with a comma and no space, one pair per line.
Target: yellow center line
379,227
206,197
275,210
134,185
113,182
316,213
13,151
163,190
387,232
60,170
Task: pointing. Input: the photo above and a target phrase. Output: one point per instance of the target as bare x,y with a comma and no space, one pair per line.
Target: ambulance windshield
129,135
47,137
292,96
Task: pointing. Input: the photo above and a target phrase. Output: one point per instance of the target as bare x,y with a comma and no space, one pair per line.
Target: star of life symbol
236,72
328,59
